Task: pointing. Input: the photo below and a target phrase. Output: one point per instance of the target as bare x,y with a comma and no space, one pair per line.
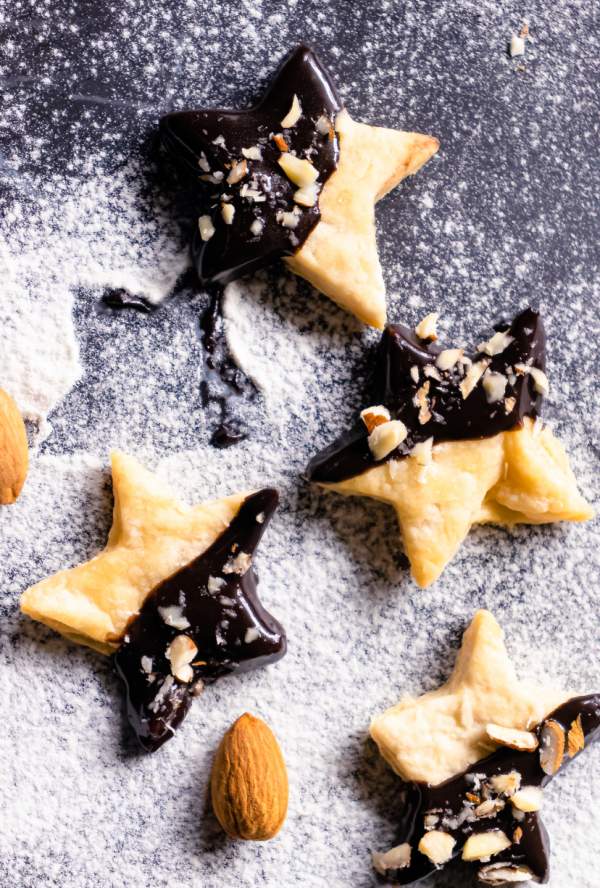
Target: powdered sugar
39,361
502,217
270,316
106,235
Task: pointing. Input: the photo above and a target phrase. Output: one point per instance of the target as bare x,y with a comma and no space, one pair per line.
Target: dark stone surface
504,216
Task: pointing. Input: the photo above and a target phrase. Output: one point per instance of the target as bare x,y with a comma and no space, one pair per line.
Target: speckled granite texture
506,215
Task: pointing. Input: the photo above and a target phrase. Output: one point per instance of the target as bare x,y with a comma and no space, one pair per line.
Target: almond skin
249,783
14,455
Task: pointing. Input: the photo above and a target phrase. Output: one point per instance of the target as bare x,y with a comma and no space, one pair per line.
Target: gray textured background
504,216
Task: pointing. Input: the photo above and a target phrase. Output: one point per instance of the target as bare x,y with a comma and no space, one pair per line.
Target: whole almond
14,455
249,784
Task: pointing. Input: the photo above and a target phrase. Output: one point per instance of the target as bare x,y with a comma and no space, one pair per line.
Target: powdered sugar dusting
505,215
281,316
39,360
103,233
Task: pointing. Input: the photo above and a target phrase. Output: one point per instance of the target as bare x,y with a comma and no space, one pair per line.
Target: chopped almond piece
395,858
528,798
237,172
496,345
489,808
227,212
506,784
437,846
206,227
517,46
552,746
472,377
540,380
374,416
480,846
181,652
575,738
426,328
293,115
448,358
385,438
280,142
422,402
252,153
323,125
504,874
307,196
494,385
298,170
523,740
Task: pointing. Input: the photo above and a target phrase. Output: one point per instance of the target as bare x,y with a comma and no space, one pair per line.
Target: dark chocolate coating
453,417
219,623
533,848
233,250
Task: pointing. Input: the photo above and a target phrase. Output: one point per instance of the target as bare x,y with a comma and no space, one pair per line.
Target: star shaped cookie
173,596
455,441
431,738
476,754
296,178
152,535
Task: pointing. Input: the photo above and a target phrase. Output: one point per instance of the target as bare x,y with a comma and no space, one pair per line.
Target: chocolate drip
121,298
452,416
227,623
224,385
224,382
211,142
454,812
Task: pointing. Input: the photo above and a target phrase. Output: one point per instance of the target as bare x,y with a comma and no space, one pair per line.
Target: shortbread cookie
153,535
295,177
173,595
433,737
476,754
456,441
